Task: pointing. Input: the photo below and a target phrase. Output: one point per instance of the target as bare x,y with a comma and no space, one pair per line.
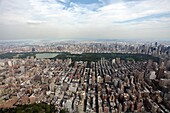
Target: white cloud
65,1
86,20
34,22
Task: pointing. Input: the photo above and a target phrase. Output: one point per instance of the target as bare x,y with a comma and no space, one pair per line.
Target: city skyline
81,19
84,77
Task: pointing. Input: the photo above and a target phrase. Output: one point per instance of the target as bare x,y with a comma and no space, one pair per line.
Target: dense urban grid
113,85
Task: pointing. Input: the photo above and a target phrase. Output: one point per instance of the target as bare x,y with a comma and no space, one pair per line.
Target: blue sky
43,19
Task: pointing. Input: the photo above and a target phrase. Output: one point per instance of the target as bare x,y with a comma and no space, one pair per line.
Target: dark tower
160,73
33,49
156,44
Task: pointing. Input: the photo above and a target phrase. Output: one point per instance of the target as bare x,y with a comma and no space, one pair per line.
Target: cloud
162,17
64,1
96,18
35,22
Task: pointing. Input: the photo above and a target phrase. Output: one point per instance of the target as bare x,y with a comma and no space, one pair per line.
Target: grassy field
84,56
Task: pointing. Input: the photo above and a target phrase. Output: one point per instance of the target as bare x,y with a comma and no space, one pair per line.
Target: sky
81,19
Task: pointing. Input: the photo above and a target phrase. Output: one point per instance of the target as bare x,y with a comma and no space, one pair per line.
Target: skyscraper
160,72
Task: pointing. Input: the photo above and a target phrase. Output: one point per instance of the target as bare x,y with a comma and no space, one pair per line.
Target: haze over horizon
81,19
